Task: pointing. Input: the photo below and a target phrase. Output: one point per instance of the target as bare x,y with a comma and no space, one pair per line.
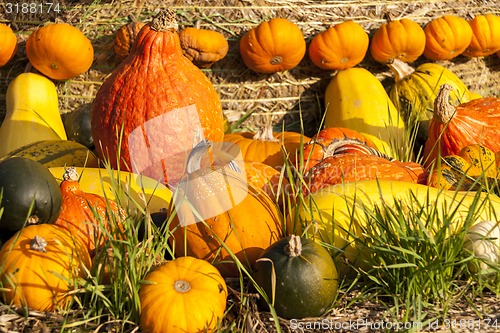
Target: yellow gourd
336,214
32,113
357,100
136,193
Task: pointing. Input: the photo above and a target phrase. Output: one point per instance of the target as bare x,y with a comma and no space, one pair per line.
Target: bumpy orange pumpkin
125,37
341,46
156,106
86,215
453,128
273,46
39,264
446,37
485,36
401,39
60,51
195,293
202,46
8,46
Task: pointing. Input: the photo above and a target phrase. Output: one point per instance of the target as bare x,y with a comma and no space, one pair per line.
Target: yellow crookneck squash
357,100
337,214
32,113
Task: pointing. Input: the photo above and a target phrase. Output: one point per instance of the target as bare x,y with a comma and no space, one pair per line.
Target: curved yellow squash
337,214
135,192
356,99
32,113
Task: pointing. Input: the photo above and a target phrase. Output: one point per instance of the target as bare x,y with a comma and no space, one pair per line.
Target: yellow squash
357,100
32,113
337,214
135,192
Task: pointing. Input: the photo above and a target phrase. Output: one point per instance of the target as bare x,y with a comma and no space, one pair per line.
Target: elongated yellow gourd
32,113
134,191
337,214
357,100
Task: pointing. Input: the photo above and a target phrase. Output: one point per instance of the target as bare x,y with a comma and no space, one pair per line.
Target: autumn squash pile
256,203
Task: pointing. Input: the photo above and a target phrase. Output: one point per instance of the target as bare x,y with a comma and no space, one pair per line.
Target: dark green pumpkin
305,277
77,126
30,194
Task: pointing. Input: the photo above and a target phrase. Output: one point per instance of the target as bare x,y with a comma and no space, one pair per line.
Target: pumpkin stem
165,21
182,286
443,110
70,174
400,69
38,244
265,133
294,247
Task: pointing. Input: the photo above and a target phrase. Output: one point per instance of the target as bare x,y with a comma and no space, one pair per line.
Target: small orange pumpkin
125,37
60,51
79,210
401,39
485,36
202,46
273,46
341,46
446,37
8,45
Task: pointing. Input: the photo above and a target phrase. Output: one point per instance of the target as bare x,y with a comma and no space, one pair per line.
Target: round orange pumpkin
155,106
202,46
125,37
446,37
60,51
8,45
341,46
485,36
401,39
273,46
38,264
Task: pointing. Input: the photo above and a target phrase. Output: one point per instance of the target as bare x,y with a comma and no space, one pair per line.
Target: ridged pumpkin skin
446,37
273,46
8,48
336,214
341,46
35,278
159,93
203,47
485,36
402,39
125,38
182,295
356,99
60,51
453,128
304,275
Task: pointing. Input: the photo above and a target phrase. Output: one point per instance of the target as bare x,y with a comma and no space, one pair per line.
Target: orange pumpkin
446,37
332,140
87,214
60,51
266,178
125,37
341,46
485,36
266,146
8,46
155,106
349,167
453,128
273,46
202,46
401,39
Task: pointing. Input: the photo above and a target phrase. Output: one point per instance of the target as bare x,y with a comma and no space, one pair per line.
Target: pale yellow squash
32,113
357,100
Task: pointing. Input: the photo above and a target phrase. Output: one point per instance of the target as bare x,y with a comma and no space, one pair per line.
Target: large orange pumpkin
60,51
156,106
8,46
273,46
446,37
485,36
341,46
